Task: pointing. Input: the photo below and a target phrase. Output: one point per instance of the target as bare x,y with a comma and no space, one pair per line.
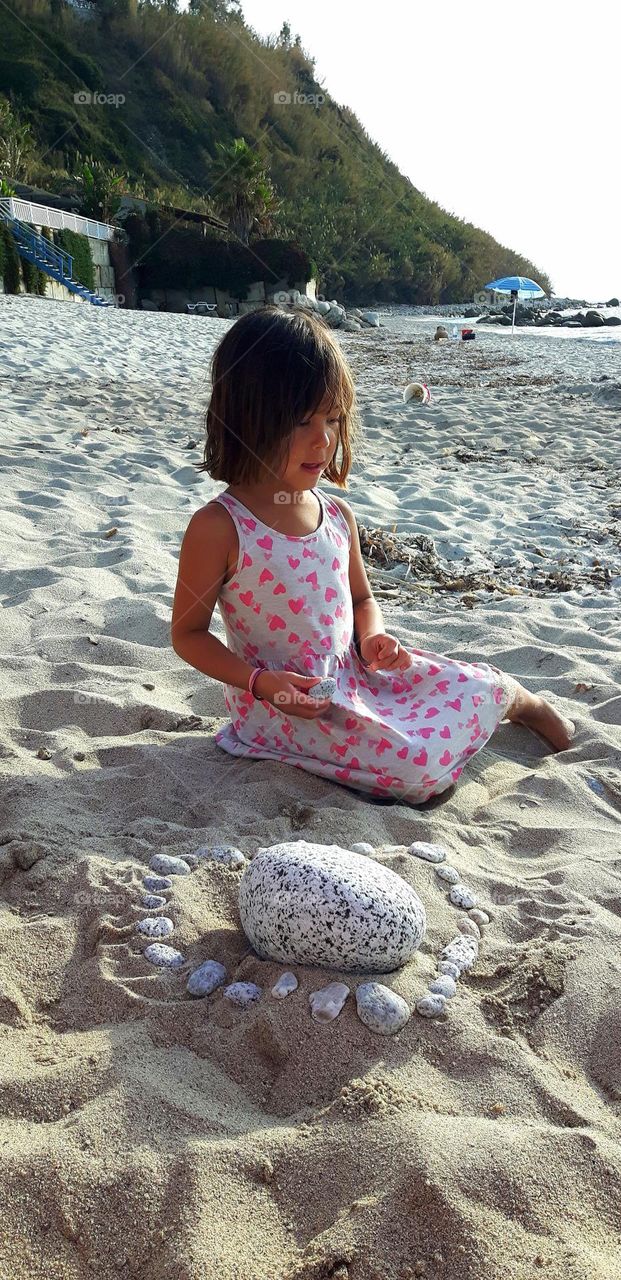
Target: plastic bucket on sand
418,391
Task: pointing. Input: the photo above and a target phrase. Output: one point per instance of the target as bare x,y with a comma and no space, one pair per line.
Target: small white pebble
461,951
226,854
158,953
167,866
381,1009
153,901
469,927
324,689
479,917
462,896
155,884
446,872
363,847
209,975
451,970
327,1003
430,852
156,926
242,993
431,1006
443,986
287,983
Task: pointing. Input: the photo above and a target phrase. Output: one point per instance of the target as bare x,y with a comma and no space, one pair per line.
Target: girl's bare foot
537,715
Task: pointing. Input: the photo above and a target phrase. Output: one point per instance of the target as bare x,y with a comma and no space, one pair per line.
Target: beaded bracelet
253,675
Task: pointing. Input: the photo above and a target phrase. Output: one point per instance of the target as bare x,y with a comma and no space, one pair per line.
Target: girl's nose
322,436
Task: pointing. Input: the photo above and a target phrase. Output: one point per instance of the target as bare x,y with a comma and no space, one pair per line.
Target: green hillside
191,84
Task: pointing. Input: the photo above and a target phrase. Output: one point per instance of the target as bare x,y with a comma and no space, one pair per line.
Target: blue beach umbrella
516,285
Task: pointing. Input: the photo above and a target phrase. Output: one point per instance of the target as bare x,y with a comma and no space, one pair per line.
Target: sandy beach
150,1135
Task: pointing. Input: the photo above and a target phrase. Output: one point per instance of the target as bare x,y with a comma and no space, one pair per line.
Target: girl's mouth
313,466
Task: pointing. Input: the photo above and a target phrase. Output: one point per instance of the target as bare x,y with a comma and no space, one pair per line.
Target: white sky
506,114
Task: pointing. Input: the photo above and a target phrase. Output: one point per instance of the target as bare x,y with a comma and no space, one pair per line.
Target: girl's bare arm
207,545
368,618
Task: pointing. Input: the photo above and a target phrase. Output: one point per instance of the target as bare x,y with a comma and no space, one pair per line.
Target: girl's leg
533,711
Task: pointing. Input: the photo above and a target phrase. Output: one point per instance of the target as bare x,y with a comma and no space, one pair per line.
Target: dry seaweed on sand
386,552
449,364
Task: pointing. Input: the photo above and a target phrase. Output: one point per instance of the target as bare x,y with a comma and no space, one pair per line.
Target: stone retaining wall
226,305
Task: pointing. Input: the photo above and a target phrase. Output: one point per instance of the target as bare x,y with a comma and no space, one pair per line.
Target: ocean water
574,355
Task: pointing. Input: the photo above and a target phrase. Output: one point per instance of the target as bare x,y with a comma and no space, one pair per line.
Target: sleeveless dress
405,734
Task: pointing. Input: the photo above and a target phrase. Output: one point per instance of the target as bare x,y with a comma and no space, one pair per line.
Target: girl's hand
285,690
383,652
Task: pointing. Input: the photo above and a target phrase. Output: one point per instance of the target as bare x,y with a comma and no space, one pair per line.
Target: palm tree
100,188
241,190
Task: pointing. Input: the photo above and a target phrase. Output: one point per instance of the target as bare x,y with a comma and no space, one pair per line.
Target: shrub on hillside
80,250
9,261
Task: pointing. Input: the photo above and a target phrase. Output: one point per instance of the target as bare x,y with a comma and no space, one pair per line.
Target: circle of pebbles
382,1010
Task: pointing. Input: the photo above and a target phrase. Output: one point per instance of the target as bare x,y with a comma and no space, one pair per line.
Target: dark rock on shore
526,315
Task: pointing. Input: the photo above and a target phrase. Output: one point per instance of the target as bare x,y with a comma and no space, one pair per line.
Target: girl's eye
330,420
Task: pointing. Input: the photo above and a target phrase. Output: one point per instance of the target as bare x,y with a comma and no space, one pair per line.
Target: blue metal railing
39,246
38,250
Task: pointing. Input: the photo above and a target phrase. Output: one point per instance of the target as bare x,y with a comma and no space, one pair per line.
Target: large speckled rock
303,903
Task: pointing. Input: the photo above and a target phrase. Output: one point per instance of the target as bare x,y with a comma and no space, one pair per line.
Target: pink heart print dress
405,734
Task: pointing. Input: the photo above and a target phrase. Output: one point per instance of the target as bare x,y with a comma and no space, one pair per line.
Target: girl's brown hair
270,371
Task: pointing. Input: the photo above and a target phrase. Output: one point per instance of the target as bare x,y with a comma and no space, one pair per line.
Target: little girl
282,561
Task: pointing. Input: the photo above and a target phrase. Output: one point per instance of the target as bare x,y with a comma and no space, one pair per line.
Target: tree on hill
219,10
240,189
17,149
100,189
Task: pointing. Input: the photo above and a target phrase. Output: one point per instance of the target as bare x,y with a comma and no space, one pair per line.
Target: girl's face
312,446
